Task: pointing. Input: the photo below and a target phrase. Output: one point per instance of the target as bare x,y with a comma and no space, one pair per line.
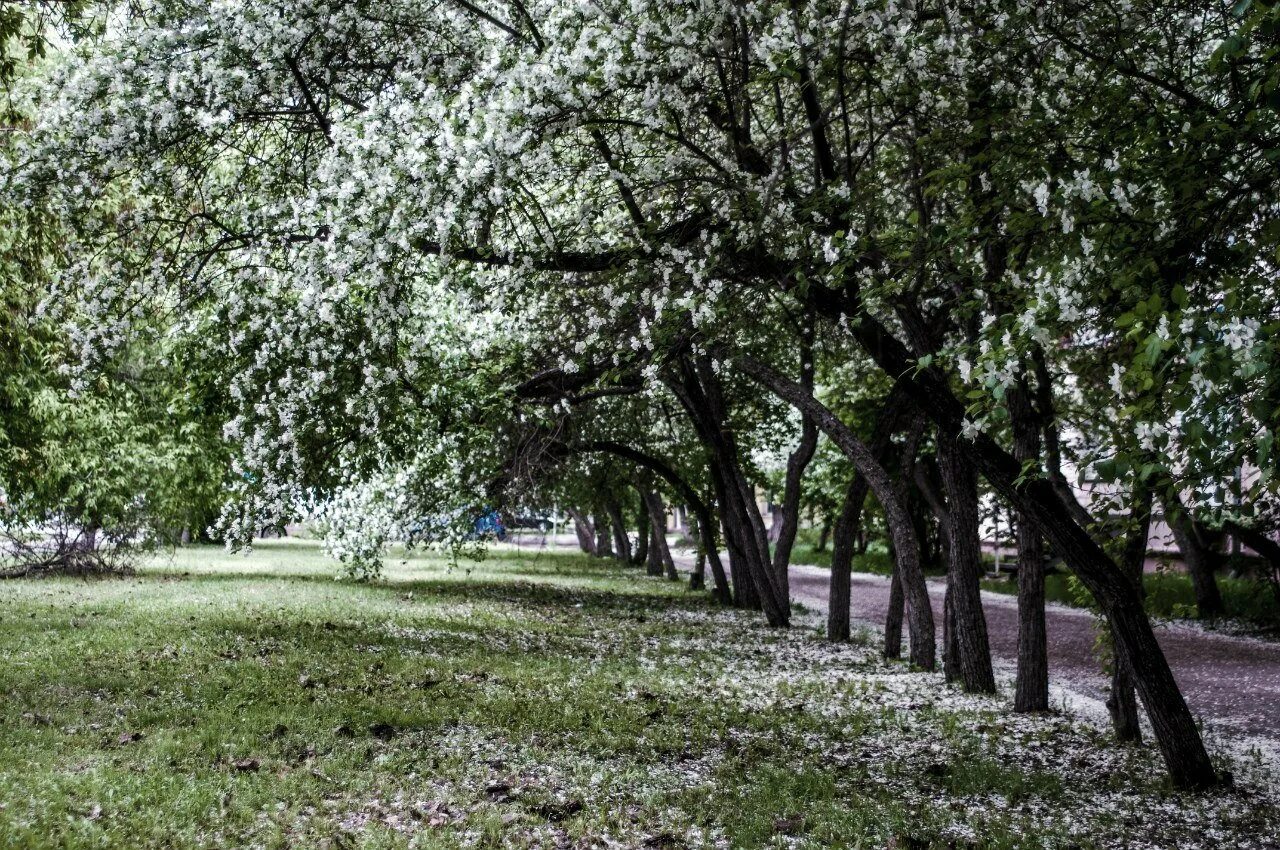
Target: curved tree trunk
1122,702
964,570
701,509
790,513
1175,728
901,529
797,462
848,524
621,542
754,581
585,531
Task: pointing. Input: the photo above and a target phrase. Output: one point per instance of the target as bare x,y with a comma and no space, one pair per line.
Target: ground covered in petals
526,701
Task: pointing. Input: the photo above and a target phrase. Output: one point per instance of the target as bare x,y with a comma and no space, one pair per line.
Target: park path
1231,682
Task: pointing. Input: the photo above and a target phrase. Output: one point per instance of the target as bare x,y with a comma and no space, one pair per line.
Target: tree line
441,258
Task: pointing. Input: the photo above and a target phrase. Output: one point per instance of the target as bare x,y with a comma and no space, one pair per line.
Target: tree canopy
452,255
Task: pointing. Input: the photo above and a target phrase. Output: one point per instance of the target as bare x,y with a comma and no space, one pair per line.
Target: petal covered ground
527,701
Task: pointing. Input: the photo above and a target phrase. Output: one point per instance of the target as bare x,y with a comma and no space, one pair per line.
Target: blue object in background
490,524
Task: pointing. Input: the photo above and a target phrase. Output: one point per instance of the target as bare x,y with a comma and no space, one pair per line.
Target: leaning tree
364,204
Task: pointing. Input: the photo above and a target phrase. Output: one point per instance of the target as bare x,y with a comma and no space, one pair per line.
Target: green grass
1169,595
231,701
874,560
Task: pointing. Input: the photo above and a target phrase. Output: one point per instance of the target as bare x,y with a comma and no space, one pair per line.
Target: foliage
397,216
91,469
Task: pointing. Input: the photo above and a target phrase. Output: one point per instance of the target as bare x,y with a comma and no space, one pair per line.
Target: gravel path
1234,682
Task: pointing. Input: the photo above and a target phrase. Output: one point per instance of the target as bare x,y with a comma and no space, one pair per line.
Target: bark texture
849,522
1122,702
797,462
972,661
893,619
754,583
1031,690
584,530
919,611
1175,729
604,542
661,562
621,541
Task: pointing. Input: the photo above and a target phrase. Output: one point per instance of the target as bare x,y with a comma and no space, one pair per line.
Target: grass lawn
1250,603
875,560
548,701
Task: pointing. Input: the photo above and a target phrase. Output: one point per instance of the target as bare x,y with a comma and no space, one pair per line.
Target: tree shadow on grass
515,591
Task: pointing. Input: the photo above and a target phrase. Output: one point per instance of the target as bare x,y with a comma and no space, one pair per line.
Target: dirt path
1235,682
1232,682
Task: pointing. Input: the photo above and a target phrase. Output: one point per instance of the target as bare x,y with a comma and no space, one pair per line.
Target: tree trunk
893,618
723,592
790,517
738,544
777,518
838,614
1122,702
641,554
584,530
824,535
950,643
849,523
662,562
754,580
701,508
1195,555
1180,743
604,546
964,568
621,542
1031,691
698,578
797,462
657,535
919,611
